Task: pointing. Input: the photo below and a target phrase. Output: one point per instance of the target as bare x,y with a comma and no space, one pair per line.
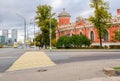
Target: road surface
9,55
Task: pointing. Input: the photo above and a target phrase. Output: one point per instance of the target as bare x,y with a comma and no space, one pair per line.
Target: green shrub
54,42
85,41
114,46
117,35
1,45
116,68
32,44
37,43
74,41
96,47
63,42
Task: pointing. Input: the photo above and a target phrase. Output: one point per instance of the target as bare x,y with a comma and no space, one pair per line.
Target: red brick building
83,27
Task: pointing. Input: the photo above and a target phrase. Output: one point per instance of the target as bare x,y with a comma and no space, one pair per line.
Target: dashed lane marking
7,57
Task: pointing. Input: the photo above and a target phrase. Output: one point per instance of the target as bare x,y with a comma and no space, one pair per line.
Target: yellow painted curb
31,60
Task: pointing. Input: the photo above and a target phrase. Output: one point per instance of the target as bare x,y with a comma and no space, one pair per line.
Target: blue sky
27,8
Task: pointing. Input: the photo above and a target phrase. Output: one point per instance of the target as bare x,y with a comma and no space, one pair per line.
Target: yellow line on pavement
31,60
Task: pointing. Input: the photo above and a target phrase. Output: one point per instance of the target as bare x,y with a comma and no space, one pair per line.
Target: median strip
31,60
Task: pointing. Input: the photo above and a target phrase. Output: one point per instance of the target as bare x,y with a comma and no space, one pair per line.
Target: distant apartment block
14,34
8,36
5,34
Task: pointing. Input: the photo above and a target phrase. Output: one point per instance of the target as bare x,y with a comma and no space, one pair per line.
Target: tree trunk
100,38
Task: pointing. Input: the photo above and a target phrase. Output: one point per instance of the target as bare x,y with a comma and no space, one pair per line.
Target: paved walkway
31,60
103,79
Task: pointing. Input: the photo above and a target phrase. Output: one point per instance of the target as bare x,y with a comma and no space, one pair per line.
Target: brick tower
118,12
64,18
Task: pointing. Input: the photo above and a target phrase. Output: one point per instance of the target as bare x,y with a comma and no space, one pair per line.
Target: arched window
92,36
80,33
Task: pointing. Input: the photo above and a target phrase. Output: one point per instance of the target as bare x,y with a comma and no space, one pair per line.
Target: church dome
64,14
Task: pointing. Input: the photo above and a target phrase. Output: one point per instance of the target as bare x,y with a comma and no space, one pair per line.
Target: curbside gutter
83,50
103,79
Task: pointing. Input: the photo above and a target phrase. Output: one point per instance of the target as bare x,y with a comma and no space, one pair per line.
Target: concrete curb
103,79
82,50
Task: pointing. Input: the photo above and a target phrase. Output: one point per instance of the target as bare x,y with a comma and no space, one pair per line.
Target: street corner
31,60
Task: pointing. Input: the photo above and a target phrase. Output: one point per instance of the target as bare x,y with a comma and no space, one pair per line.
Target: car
15,45
20,46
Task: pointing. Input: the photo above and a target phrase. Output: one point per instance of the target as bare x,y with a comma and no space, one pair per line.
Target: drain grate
42,70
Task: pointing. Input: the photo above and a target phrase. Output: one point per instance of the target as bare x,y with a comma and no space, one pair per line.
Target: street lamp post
24,29
34,36
33,22
85,30
85,26
50,33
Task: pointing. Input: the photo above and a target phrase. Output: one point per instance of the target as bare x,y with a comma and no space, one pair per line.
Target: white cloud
56,4
86,13
27,8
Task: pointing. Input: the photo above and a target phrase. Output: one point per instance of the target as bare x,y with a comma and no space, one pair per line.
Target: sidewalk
80,50
103,79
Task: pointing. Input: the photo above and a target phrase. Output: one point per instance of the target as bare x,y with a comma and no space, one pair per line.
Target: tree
63,42
38,38
101,18
43,21
74,41
54,41
117,35
85,41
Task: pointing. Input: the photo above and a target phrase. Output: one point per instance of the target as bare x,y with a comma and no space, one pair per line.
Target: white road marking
7,57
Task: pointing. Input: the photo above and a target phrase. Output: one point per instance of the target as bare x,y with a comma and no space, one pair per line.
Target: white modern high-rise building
14,34
5,34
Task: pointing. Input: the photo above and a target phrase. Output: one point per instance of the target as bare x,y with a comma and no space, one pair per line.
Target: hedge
114,46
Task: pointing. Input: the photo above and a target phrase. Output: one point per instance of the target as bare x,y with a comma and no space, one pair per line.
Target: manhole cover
42,70
118,73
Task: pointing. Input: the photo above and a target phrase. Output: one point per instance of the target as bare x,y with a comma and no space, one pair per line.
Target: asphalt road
67,57
9,55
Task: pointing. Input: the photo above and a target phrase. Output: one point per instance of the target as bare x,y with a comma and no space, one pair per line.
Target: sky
12,10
